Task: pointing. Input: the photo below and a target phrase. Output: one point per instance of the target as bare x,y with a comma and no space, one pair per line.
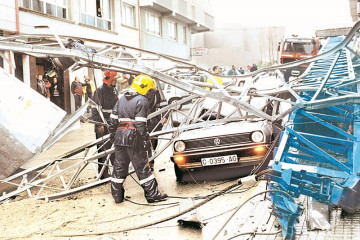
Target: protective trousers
138,156
102,160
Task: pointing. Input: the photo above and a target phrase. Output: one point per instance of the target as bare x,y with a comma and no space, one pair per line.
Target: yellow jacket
218,79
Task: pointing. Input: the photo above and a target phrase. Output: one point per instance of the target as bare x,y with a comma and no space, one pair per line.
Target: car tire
178,173
174,100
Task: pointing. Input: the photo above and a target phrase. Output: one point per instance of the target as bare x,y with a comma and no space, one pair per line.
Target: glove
113,125
112,137
145,137
145,143
112,128
101,130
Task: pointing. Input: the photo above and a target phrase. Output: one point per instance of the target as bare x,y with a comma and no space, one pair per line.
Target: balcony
162,6
197,19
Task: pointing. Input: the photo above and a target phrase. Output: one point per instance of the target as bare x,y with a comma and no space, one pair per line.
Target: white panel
29,117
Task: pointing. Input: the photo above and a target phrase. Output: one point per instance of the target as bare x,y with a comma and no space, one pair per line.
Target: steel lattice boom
318,154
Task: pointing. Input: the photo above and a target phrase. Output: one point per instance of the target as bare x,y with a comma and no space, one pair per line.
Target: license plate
219,160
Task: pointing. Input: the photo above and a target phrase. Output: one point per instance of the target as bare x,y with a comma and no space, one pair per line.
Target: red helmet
109,76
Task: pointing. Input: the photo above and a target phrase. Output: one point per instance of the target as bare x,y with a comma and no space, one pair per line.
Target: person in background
40,88
155,123
77,91
55,92
123,82
99,13
253,68
248,67
88,88
47,86
105,97
232,71
216,70
241,70
131,79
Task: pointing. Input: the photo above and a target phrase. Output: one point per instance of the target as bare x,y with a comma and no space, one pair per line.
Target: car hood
224,129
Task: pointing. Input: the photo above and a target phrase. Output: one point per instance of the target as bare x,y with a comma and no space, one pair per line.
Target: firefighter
131,139
106,97
154,124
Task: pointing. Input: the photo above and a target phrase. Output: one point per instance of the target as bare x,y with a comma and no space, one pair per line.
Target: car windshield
299,47
211,107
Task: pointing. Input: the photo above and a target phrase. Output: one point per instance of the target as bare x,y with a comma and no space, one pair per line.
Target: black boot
151,165
152,193
118,192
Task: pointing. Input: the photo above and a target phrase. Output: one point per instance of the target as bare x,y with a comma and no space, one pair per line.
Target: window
128,15
299,47
172,31
153,24
56,8
184,35
96,13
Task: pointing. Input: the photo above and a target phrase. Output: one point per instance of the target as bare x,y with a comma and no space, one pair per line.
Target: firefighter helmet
109,76
142,84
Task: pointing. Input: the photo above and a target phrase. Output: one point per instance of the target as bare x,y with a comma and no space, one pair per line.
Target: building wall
194,11
64,27
68,98
194,15
7,16
32,64
121,34
239,47
162,44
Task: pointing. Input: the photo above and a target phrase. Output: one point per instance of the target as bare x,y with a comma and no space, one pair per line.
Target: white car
173,94
221,151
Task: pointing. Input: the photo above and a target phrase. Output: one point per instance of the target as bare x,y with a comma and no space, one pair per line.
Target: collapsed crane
304,163
318,154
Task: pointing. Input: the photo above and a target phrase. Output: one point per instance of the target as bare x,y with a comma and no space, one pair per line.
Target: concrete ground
94,210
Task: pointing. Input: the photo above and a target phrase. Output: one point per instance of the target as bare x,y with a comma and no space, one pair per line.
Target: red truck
296,48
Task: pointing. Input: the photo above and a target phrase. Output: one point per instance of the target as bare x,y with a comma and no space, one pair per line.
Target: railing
95,21
44,7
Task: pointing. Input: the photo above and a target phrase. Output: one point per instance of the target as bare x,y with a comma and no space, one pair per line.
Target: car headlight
257,136
179,146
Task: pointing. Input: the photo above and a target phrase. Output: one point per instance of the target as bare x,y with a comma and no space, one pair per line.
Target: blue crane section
318,153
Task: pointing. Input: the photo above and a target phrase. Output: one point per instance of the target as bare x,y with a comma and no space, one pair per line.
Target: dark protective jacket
253,68
105,96
154,104
129,118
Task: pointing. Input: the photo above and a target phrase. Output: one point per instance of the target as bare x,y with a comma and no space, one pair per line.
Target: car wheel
178,173
175,100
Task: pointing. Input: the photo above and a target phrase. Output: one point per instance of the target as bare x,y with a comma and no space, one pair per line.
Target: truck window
295,47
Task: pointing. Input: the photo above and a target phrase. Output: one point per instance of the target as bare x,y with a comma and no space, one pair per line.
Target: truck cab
296,48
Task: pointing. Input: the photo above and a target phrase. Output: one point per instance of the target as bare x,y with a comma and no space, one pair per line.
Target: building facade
240,47
163,26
